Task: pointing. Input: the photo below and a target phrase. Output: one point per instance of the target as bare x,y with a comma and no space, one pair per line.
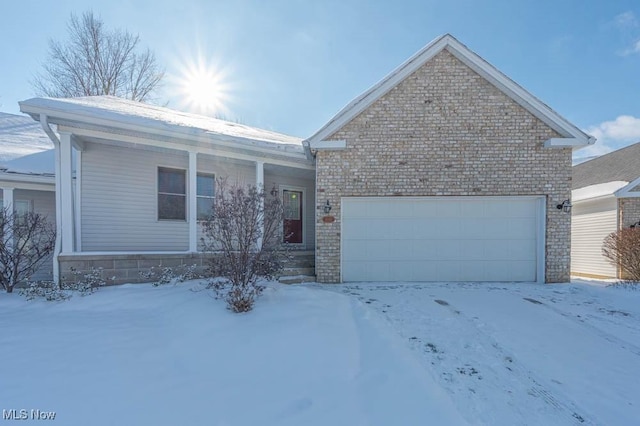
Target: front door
292,226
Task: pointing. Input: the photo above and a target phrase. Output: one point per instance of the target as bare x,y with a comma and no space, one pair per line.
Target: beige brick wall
629,211
444,131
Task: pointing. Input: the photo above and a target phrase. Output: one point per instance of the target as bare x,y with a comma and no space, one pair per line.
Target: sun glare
204,87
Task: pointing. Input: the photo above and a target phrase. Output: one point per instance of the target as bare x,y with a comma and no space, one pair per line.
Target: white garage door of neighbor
442,238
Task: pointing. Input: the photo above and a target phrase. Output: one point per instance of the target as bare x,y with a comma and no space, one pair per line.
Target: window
206,191
172,194
21,209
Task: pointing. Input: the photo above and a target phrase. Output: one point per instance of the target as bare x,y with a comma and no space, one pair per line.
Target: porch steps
300,268
296,279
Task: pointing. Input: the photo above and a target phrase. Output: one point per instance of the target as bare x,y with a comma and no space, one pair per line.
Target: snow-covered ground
522,354
140,355
366,354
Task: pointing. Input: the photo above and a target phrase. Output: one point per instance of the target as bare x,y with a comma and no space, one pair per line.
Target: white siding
119,197
119,201
591,222
234,171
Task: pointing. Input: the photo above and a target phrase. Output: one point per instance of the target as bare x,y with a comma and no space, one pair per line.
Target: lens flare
203,86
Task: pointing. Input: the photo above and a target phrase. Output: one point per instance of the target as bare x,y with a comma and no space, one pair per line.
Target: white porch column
66,193
7,205
260,187
78,201
193,201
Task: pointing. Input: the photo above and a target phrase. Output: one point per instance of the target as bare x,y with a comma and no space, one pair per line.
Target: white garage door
442,238
591,222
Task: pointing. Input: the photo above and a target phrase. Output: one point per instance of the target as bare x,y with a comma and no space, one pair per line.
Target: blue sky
289,66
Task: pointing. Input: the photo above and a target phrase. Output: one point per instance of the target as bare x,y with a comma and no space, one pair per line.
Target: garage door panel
520,249
473,250
403,228
397,209
381,250
448,250
357,248
520,228
521,270
425,210
439,239
449,209
520,208
423,250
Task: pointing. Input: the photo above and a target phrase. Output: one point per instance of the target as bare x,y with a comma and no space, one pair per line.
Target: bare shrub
622,248
26,241
244,236
161,275
85,282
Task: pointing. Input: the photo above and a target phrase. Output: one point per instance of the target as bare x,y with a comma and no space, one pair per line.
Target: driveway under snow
522,354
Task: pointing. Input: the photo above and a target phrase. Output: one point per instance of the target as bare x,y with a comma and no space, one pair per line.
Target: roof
571,135
123,113
620,165
38,163
20,136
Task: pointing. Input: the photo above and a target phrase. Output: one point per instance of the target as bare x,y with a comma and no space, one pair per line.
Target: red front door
292,226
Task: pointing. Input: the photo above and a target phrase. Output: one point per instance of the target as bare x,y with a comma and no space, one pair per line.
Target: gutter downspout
44,122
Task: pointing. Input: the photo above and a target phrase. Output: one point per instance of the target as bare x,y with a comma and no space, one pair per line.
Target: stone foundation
127,268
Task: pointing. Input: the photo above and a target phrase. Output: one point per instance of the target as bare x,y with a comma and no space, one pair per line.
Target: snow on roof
39,163
598,190
20,136
140,114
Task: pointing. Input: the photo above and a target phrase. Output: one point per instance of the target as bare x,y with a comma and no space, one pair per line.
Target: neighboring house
27,172
606,198
446,170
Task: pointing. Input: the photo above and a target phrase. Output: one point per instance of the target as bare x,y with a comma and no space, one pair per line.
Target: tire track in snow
564,407
472,365
623,344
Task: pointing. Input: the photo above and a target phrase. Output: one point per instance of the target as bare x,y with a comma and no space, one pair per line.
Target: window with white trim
205,195
172,194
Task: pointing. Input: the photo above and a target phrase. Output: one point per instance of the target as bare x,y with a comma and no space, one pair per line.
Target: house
446,170
606,198
27,172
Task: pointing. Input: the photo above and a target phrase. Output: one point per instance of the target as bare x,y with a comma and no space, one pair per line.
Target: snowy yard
367,354
513,354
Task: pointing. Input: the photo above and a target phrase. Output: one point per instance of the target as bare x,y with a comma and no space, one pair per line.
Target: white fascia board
597,191
24,181
574,143
175,132
475,62
327,145
201,148
626,191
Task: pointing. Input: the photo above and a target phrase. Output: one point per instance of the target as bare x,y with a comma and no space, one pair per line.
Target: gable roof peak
570,134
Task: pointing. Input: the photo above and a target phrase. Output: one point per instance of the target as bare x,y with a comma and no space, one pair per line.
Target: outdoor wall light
327,207
635,225
565,206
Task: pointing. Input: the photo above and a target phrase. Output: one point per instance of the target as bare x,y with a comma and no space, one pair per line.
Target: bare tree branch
96,61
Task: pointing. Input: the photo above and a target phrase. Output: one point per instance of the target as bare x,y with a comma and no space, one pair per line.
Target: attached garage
591,222
442,239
